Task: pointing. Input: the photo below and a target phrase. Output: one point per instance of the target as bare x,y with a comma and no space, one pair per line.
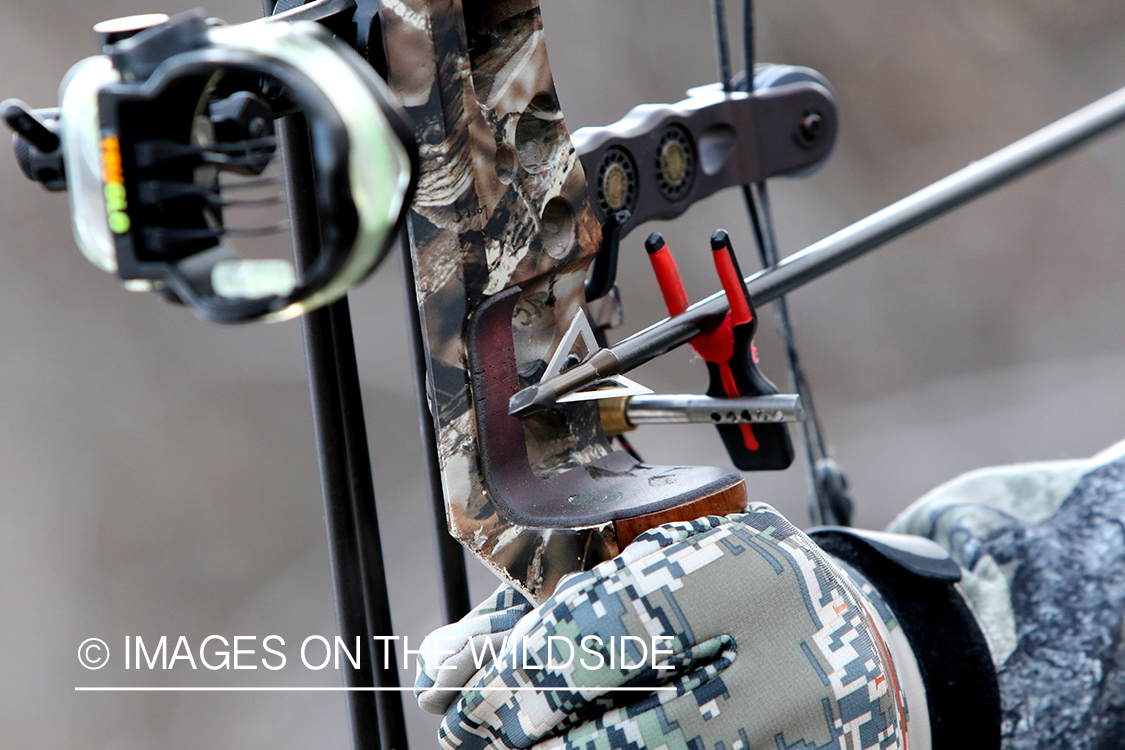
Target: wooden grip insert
730,499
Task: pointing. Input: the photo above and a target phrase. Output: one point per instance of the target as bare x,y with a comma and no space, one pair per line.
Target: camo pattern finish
452,654
764,644
501,202
1043,549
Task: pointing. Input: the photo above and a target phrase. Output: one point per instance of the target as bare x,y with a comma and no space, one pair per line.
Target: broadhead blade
532,400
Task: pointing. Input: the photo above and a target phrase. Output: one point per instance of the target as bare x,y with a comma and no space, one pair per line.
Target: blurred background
158,476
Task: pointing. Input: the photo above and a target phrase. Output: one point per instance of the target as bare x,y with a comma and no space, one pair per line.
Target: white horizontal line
162,689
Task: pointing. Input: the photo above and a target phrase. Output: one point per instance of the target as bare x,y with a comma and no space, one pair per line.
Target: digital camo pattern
452,654
890,635
1044,545
501,203
770,648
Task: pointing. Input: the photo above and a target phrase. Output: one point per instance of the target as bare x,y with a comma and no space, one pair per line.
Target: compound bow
509,214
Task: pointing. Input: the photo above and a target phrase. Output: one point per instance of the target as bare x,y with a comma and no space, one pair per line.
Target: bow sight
168,135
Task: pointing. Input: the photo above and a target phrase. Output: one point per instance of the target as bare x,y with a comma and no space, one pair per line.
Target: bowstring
822,469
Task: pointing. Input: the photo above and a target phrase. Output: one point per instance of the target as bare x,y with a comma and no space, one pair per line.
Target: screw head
810,126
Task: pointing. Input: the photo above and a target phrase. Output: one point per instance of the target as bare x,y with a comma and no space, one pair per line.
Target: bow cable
829,502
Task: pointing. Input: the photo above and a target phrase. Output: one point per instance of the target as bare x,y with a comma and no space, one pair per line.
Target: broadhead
532,400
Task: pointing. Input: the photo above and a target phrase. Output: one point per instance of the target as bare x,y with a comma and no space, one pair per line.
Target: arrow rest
731,358
510,213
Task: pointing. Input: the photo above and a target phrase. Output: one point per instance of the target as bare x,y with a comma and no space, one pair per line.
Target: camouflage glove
728,633
1043,550
451,655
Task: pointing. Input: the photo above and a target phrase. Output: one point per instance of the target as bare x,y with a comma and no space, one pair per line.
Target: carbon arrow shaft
979,177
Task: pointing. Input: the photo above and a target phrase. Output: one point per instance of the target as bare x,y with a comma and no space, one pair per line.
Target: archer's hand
739,633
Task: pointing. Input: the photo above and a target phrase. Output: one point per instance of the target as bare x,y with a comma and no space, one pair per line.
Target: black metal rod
373,575
347,485
343,552
355,551
343,555
451,555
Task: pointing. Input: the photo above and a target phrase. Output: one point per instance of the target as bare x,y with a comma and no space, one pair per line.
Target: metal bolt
810,125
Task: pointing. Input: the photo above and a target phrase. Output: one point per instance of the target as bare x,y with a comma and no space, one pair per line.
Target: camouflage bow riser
502,234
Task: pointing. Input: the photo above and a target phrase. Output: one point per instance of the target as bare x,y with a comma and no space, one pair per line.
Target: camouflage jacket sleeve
1042,547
